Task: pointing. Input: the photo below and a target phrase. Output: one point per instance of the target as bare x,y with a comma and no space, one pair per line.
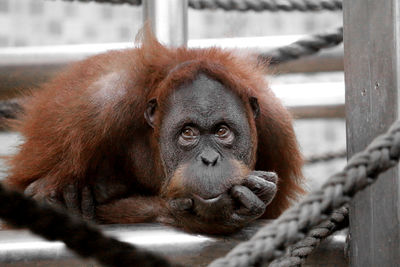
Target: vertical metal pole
372,75
168,20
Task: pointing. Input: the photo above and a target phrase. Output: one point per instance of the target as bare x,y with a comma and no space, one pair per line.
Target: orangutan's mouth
211,200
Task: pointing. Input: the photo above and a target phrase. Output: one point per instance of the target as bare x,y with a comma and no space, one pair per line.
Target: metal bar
372,53
323,62
318,112
21,248
27,67
312,100
168,20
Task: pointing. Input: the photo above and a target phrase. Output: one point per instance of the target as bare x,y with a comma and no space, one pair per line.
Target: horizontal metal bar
27,67
61,54
318,112
312,100
21,248
322,62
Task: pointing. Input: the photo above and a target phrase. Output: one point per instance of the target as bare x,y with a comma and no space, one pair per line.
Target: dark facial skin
205,143
205,129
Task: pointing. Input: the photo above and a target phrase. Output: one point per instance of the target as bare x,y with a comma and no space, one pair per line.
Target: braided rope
119,2
328,156
362,170
270,5
304,47
87,241
247,5
298,253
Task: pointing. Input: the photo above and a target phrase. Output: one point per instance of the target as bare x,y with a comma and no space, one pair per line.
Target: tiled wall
40,22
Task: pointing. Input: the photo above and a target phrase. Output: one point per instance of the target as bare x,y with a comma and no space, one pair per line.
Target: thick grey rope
293,225
298,253
327,156
304,47
247,5
86,240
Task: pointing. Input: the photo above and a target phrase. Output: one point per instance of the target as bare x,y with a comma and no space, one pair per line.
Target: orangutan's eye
224,134
189,136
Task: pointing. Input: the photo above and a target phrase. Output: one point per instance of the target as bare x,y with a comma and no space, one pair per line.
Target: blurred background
26,23
52,22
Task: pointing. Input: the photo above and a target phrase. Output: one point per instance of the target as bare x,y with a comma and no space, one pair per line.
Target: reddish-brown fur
73,125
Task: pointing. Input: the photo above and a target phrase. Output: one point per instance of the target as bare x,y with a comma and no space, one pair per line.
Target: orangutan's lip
208,200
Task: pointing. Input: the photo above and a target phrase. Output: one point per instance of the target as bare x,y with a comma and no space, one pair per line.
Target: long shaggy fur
93,112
